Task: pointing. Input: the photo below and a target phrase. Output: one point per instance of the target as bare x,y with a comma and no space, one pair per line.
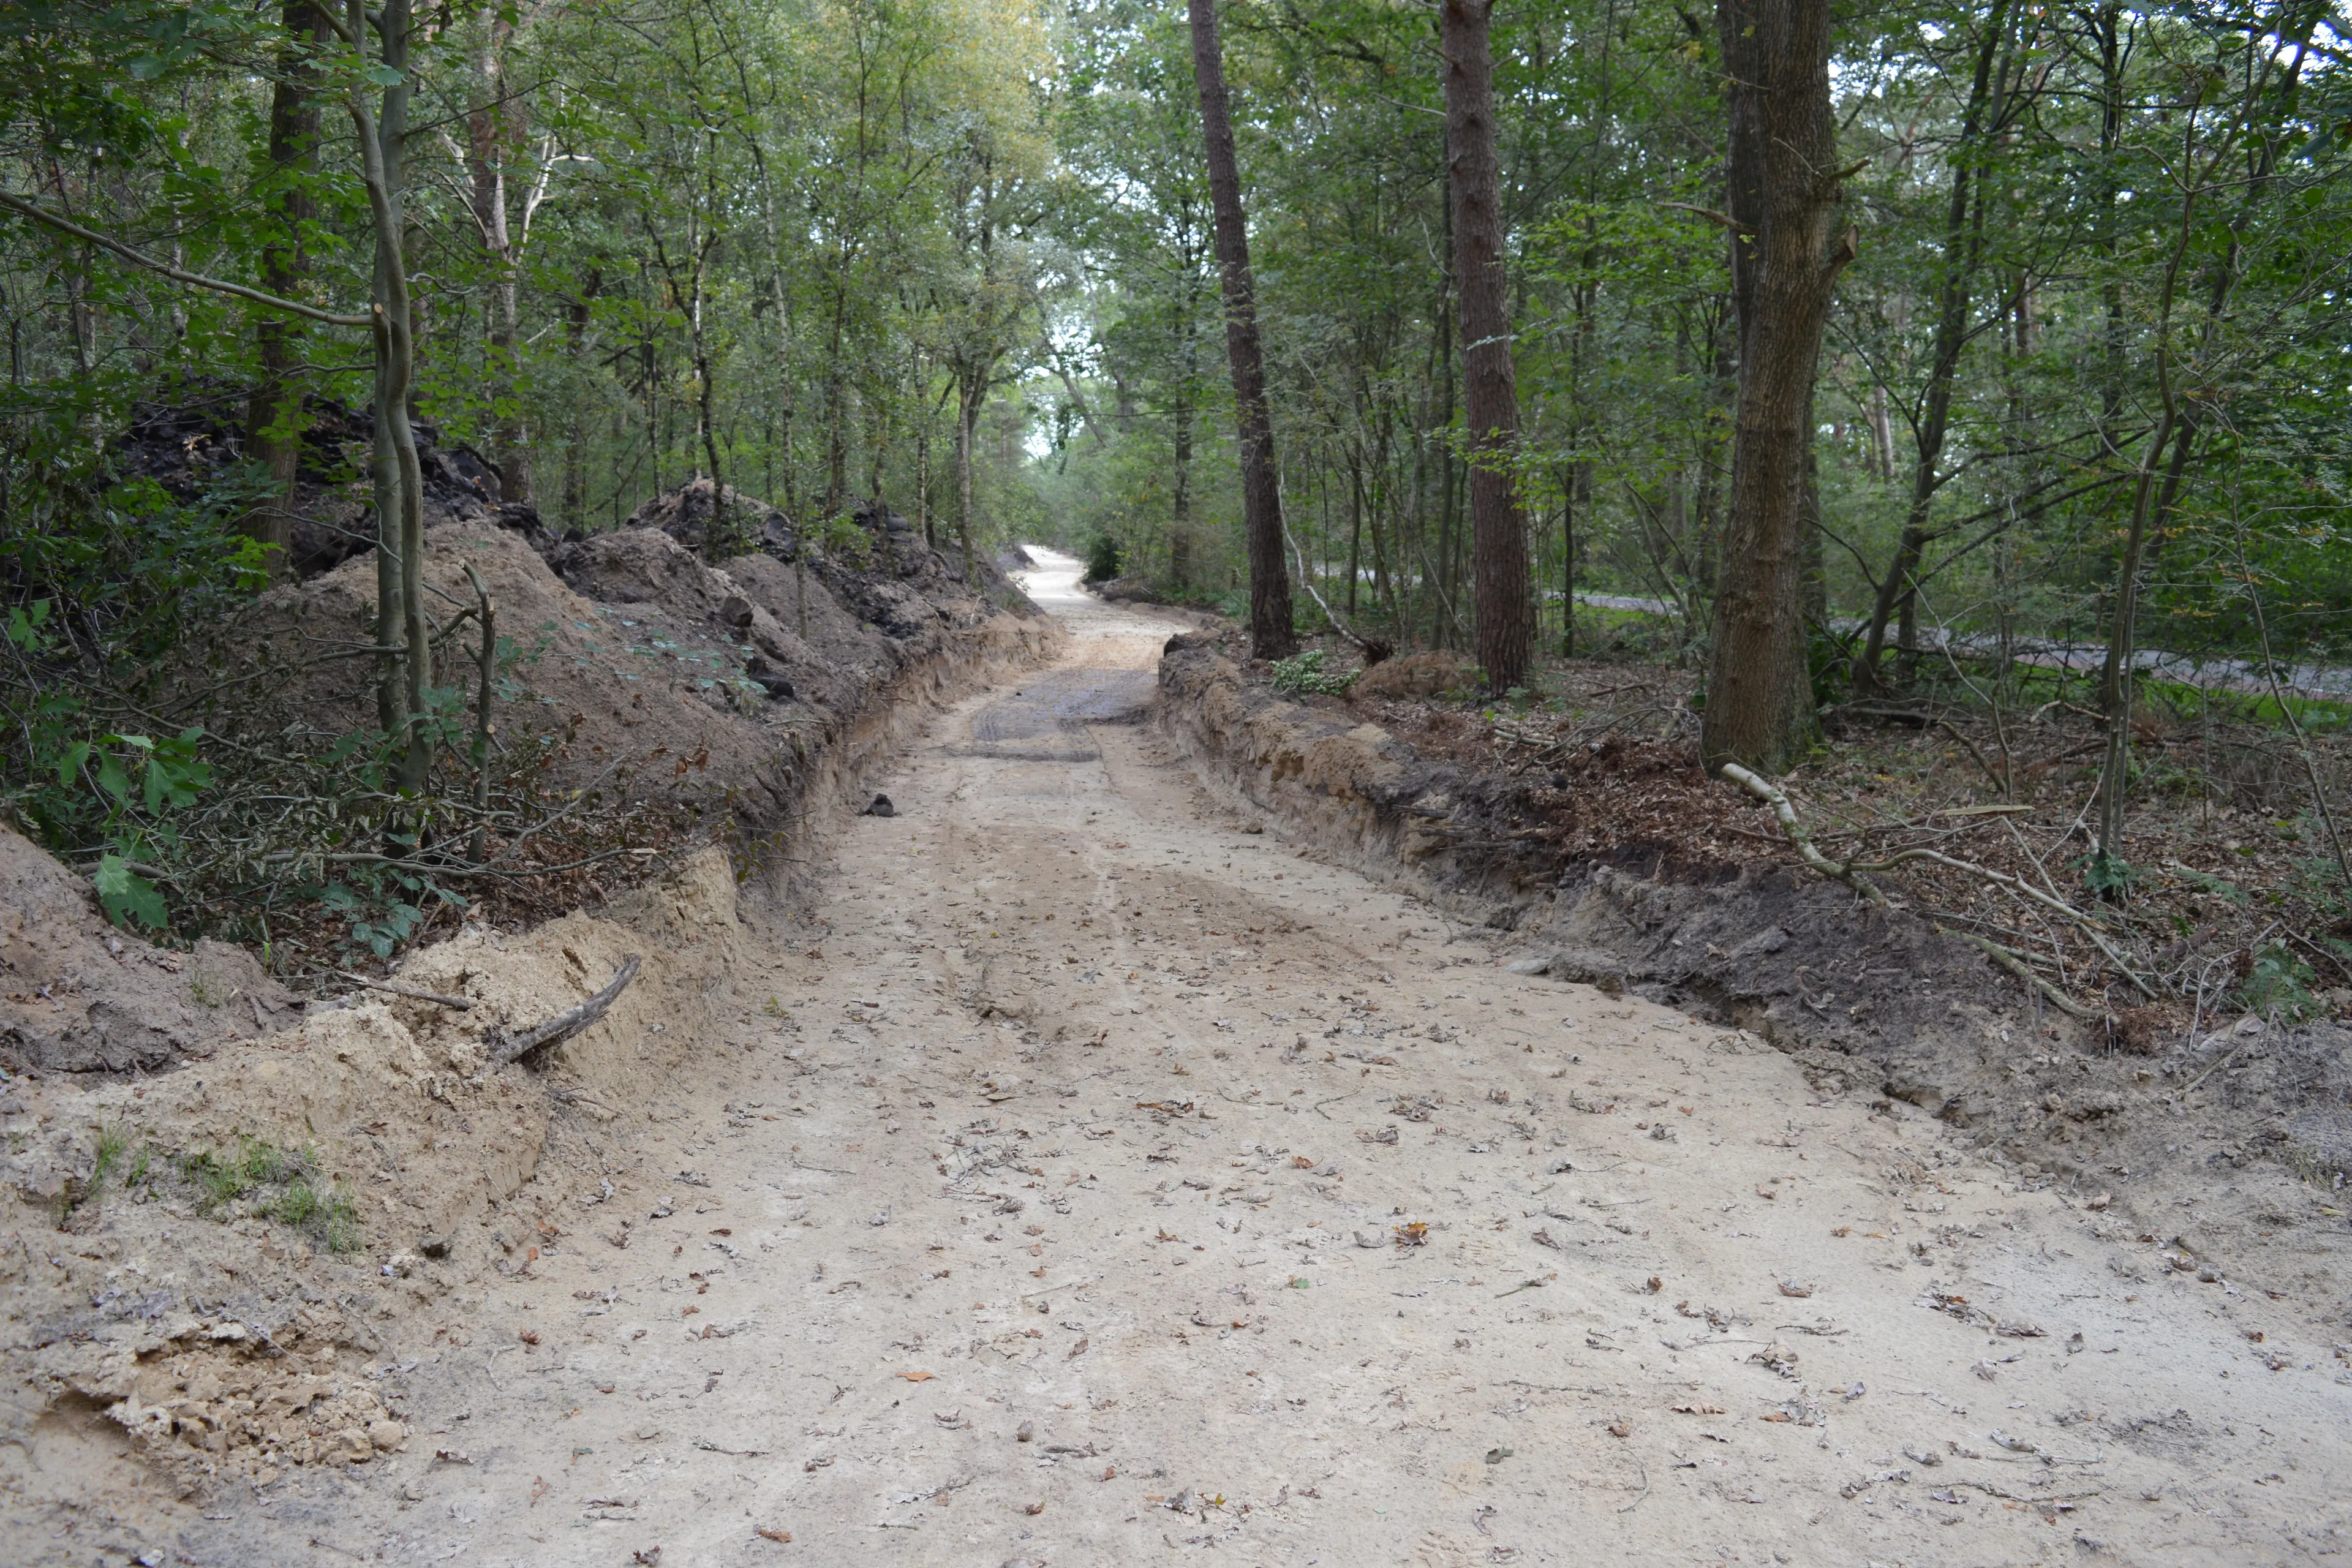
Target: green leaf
113,780
383,75
123,892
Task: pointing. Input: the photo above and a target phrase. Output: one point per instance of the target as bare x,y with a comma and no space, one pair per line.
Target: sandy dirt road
1096,1180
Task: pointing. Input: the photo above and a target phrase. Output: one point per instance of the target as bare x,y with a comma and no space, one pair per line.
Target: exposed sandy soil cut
1088,1175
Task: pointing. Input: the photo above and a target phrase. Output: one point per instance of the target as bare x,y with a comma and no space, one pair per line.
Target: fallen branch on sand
506,1048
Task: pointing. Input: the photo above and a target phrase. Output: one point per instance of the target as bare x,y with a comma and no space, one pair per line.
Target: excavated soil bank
1594,876
205,1257
1088,1175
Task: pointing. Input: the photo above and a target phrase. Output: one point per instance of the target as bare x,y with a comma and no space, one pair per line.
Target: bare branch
196,279
506,1048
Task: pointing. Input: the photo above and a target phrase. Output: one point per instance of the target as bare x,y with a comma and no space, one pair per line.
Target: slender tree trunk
491,129
575,447
1499,554
274,418
1179,509
971,388
1786,255
1882,435
1271,635
1964,225
403,678
923,479
2155,495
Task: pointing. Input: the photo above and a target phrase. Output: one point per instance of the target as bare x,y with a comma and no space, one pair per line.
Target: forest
1364,781
2049,394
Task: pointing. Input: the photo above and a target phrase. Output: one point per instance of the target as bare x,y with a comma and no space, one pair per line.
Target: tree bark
398,478
1271,635
972,389
491,127
1498,543
274,416
1963,251
1786,255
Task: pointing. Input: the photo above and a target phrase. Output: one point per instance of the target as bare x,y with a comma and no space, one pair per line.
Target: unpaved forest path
1142,1208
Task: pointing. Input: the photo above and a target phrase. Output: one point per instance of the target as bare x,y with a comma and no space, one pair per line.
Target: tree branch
506,1048
139,258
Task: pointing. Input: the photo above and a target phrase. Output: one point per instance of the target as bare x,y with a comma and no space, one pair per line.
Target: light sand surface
1093,1180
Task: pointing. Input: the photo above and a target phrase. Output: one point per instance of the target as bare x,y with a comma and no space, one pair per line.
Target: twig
1953,731
1772,795
2191,1087
1645,1487
506,1048
195,279
461,1004
2025,972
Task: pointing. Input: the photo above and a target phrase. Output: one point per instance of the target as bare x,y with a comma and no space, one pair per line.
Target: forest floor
1108,1181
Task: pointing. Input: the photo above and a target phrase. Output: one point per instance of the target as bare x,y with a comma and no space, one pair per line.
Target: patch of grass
280,1185
113,1142
1305,673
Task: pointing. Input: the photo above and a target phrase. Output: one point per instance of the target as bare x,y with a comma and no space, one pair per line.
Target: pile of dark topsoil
1626,869
727,700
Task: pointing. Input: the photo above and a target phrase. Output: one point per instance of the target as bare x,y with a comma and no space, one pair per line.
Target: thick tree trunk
1498,541
274,416
1271,635
1785,255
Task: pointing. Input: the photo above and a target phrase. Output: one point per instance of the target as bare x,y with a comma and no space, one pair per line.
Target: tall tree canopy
2028,324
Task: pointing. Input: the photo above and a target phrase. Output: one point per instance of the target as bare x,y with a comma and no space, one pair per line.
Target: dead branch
2024,970
1772,795
461,1004
1374,649
506,1048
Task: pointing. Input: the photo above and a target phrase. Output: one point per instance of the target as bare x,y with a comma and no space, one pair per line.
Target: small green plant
2279,984
840,537
112,1143
1304,673
278,1185
83,1192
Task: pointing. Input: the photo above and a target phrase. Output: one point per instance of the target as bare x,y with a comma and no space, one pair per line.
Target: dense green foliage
827,249
2155,196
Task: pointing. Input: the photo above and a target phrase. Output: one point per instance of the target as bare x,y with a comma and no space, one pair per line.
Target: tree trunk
1963,250
1498,549
1271,635
969,389
576,448
274,416
1179,509
489,131
1785,260
399,483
